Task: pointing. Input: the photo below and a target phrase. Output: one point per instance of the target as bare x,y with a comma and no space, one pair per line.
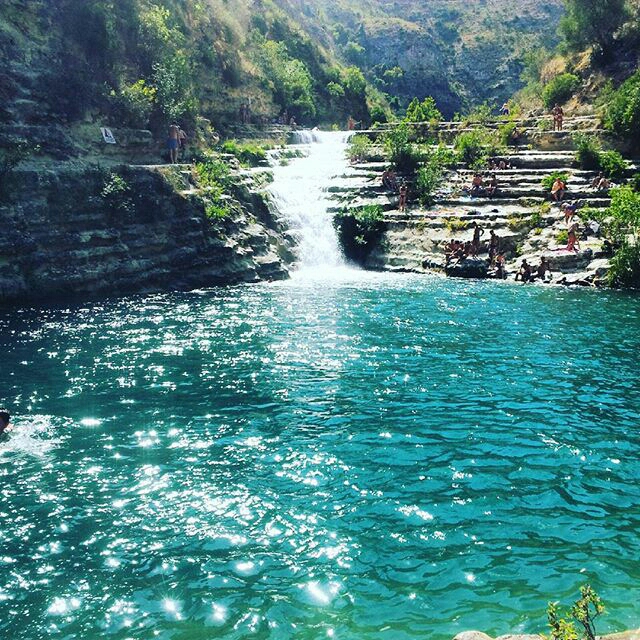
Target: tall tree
593,23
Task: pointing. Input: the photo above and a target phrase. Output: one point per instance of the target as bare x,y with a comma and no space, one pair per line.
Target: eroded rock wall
63,237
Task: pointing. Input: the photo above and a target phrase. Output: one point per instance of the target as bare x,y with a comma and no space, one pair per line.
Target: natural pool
367,456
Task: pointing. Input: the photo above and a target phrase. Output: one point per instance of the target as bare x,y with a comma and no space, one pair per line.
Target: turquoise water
374,457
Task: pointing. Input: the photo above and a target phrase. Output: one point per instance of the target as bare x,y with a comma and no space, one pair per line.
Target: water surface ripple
376,457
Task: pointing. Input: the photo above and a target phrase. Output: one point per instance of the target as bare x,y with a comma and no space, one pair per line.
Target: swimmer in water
5,419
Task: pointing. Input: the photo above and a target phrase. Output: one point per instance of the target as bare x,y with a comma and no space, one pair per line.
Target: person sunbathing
477,187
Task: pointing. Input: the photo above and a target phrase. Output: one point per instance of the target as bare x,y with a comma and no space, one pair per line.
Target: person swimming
5,419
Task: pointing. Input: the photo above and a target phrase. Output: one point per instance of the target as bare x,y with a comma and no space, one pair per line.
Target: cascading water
300,193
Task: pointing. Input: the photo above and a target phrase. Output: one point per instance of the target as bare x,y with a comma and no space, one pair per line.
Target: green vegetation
427,181
359,230
560,89
214,177
475,147
425,111
403,154
622,226
623,110
593,23
583,612
359,148
591,157
562,237
613,165
248,154
455,224
587,151
116,194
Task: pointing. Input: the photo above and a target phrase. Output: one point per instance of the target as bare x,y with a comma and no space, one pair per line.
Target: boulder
475,268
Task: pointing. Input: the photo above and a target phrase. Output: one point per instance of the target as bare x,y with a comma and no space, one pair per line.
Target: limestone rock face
64,237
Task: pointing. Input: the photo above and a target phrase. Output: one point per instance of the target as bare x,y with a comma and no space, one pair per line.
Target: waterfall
299,190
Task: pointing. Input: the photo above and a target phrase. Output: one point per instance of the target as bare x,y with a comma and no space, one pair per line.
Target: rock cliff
67,232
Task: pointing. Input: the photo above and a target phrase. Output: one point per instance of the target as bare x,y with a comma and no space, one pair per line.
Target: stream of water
349,455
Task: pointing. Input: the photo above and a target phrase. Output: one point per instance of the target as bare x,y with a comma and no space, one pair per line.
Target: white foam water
300,194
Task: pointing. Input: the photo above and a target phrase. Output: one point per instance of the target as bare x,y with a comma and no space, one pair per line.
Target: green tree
593,23
623,111
290,79
425,111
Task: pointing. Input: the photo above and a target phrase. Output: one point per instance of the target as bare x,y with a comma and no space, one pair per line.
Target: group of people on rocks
456,251
479,187
529,273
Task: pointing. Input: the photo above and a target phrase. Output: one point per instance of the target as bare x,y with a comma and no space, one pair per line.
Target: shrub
584,611
634,183
560,89
359,148
359,230
590,156
517,223
480,114
623,112
249,155
425,111
613,165
217,211
116,194
475,147
134,104
587,151
427,182
562,237
455,224
625,267
401,153
213,172
507,133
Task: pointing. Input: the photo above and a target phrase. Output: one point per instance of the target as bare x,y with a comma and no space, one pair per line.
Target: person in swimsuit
402,203
494,243
173,142
524,273
478,232
5,419
558,189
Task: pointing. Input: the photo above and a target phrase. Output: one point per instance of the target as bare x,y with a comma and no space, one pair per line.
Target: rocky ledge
73,230
520,213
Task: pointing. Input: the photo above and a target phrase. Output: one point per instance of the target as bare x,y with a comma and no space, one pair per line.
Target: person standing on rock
173,142
558,117
494,245
558,189
402,202
478,232
182,139
572,238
